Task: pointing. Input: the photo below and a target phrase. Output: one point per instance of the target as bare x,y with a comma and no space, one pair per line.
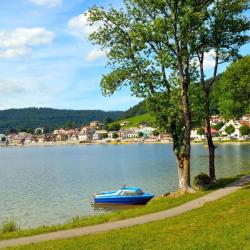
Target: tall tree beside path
221,34
149,44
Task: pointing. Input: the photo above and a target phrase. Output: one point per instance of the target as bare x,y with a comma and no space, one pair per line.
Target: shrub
244,130
202,180
201,131
9,226
230,129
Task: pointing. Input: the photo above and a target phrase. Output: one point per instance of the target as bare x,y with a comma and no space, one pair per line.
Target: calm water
48,185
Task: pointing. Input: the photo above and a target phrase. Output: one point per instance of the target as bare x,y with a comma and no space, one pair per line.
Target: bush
244,130
200,131
9,226
202,180
230,129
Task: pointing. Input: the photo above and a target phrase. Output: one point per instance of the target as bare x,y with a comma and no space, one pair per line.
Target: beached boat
125,195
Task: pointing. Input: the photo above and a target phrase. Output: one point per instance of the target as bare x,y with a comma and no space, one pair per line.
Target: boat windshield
131,192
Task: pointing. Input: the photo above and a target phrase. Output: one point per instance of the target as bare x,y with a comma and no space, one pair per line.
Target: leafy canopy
233,89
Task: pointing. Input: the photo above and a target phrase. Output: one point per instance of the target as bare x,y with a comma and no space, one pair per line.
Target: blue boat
125,195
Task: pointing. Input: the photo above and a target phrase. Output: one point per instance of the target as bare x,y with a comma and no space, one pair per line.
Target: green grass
222,224
136,120
9,227
157,204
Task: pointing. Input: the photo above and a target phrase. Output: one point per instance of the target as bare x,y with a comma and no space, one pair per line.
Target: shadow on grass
231,181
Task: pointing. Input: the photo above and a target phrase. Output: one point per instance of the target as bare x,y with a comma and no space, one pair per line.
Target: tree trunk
211,147
187,146
183,183
180,168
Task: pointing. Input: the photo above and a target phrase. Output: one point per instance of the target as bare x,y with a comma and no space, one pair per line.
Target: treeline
28,119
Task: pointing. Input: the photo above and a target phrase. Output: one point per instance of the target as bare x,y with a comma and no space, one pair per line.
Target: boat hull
124,200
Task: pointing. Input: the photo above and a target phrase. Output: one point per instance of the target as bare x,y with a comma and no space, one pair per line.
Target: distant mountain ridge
31,118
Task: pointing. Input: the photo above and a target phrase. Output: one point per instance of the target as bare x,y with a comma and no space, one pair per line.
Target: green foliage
107,120
9,227
115,135
218,126
114,126
104,136
233,90
69,125
136,121
156,133
230,129
138,109
140,134
201,131
143,47
21,119
3,139
201,180
244,130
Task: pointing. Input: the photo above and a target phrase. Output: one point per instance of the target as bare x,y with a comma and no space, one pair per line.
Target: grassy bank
222,224
136,120
157,204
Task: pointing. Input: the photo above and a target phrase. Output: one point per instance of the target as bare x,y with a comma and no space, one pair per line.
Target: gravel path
132,221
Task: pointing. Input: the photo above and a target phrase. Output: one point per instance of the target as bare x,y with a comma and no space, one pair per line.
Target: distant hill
138,109
30,118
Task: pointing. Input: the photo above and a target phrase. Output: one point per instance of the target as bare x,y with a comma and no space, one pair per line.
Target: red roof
213,130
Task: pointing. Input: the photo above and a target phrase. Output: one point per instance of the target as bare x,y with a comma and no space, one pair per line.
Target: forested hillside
31,118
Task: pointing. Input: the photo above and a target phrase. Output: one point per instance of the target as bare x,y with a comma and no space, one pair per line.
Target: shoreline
39,144
70,143
158,204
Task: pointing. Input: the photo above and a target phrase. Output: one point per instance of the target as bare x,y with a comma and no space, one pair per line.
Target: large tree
233,89
149,46
221,34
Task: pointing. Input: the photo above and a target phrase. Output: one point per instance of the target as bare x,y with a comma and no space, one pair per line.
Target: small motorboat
125,195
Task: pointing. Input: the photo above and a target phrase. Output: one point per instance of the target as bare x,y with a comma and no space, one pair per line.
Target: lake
51,184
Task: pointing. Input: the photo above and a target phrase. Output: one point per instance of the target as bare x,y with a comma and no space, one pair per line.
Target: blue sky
46,60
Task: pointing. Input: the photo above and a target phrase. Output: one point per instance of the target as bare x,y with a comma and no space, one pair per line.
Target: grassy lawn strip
223,224
157,204
136,120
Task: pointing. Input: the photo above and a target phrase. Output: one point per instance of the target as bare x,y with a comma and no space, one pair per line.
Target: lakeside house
111,135
30,139
146,130
72,135
96,125
100,134
236,133
86,134
215,119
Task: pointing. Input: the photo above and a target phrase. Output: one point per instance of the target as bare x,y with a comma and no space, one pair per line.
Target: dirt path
132,221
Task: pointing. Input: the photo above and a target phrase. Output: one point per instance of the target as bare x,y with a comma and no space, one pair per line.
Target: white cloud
10,87
209,59
48,3
20,41
95,54
79,25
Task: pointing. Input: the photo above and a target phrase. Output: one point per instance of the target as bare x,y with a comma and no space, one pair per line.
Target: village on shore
95,132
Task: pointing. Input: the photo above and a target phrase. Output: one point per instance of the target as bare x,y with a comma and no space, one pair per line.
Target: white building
99,134
86,134
146,130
